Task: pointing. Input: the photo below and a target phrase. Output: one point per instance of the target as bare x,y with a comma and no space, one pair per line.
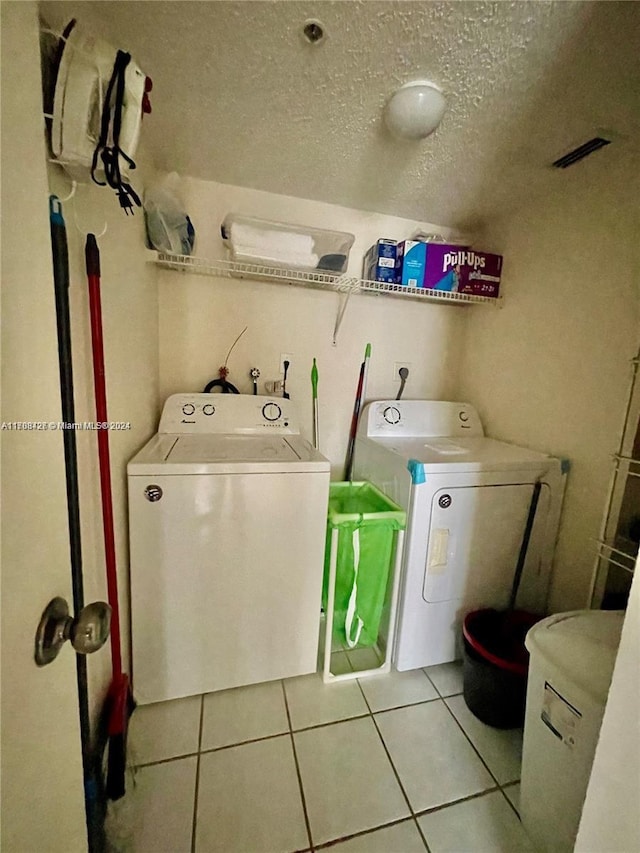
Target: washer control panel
242,414
419,419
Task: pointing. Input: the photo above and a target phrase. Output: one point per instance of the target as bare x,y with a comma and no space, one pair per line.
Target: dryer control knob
271,411
188,409
391,415
208,409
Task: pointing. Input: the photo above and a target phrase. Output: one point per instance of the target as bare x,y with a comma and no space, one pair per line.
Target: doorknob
88,631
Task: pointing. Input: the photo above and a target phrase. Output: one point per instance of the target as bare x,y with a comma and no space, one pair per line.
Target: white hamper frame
327,676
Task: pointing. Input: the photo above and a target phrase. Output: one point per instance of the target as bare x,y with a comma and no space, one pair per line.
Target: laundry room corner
552,369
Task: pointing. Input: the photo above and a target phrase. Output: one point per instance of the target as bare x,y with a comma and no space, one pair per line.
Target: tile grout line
499,785
158,761
393,767
368,713
504,794
242,743
484,763
457,802
421,834
194,825
298,773
461,727
361,833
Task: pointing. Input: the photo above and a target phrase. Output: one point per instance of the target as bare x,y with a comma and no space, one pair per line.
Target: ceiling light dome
415,110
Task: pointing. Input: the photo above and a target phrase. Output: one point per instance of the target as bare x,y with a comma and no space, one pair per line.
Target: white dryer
467,498
227,514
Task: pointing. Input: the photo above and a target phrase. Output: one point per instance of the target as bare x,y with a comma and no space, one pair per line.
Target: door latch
88,630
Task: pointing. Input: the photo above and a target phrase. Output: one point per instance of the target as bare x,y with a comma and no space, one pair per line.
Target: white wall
200,318
551,369
610,817
130,327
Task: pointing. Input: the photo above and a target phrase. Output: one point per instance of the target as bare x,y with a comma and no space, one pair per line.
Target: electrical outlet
274,387
285,356
396,369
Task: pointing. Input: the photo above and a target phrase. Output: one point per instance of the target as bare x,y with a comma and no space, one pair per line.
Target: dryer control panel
239,414
419,419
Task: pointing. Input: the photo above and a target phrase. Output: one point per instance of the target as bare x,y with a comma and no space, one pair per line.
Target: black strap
110,154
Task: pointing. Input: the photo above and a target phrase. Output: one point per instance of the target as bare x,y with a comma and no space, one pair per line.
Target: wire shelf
622,553
309,278
632,465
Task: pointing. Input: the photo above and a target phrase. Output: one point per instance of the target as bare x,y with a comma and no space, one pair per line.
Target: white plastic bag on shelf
169,229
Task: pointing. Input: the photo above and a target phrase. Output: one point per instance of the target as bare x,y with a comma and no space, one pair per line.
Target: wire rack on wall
617,548
345,284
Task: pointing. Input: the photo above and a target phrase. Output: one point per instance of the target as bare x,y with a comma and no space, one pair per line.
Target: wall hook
74,187
82,231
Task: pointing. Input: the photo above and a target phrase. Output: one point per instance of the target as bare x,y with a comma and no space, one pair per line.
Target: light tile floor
385,764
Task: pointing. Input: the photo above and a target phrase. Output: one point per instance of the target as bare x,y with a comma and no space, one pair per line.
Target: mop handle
360,391
354,426
365,377
524,547
314,394
92,256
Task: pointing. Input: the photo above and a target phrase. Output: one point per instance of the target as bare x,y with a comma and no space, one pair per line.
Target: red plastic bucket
496,663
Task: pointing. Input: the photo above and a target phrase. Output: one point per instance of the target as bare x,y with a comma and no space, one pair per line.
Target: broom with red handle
119,703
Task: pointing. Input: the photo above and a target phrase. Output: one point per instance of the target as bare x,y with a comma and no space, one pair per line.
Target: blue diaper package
411,261
380,262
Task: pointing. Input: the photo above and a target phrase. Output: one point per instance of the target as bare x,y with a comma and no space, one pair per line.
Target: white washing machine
227,516
467,498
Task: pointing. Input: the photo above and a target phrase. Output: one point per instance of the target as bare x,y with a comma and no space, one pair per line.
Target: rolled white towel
268,256
274,242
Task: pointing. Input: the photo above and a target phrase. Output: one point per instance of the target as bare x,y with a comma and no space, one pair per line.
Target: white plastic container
278,244
572,659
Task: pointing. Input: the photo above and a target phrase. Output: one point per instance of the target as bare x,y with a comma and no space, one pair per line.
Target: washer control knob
464,416
208,409
391,415
271,411
188,409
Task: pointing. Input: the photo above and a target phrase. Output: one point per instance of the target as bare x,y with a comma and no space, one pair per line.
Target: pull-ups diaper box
480,274
443,268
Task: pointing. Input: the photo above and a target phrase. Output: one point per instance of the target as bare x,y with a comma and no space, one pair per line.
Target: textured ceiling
240,97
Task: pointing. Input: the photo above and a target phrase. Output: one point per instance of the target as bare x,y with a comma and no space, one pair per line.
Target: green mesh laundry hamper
366,521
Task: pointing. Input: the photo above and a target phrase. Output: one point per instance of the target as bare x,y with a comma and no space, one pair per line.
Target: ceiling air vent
581,152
